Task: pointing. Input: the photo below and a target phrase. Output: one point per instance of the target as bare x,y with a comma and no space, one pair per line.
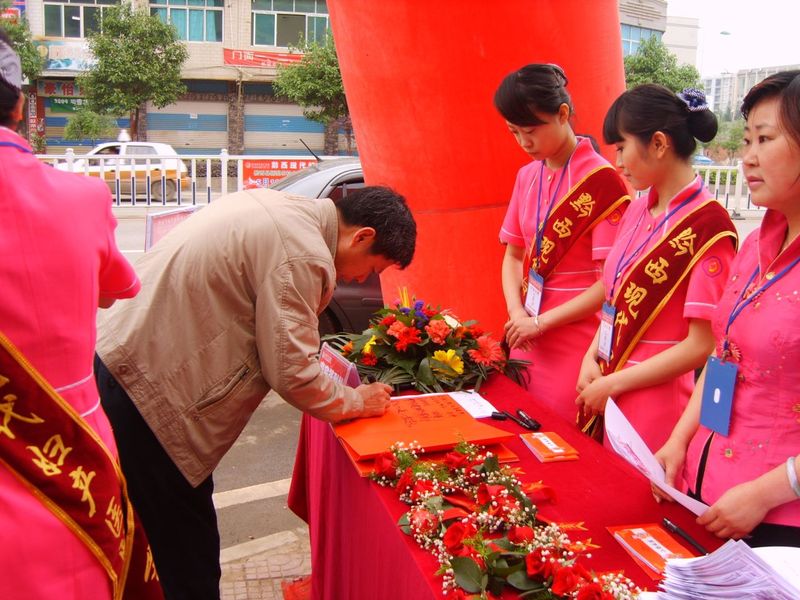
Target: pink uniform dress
765,343
556,356
654,411
57,257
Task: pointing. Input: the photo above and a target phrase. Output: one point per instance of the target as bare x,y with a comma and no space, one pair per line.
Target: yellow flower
368,346
451,359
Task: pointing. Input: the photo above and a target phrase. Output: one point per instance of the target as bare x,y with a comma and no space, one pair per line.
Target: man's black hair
387,213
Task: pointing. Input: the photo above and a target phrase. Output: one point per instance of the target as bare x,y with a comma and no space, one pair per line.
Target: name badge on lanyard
717,403
533,297
606,339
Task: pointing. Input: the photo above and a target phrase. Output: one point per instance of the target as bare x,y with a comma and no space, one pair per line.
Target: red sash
63,462
648,286
592,199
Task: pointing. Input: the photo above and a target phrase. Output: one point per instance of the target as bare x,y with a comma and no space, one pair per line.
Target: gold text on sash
657,270
684,242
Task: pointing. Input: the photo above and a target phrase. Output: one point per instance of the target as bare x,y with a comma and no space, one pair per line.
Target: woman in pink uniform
743,461
665,270
58,261
559,226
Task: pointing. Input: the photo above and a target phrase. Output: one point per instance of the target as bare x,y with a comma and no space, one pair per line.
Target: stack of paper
733,571
548,446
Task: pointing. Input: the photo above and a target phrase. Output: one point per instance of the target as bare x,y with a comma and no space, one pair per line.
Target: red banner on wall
264,172
254,58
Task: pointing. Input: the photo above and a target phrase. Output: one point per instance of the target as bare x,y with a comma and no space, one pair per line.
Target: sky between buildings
759,33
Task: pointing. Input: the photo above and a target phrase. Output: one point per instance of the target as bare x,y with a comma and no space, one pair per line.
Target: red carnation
410,335
538,566
594,591
520,535
455,535
488,493
385,465
369,359
388,320
565,581
405,482
456,460
421,487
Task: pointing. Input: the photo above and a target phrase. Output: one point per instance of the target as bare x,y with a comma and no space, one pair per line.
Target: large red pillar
420,78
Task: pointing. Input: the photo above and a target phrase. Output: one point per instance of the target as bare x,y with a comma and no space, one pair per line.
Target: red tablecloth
359,553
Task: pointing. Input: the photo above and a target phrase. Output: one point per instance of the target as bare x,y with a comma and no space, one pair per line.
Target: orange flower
438,331
488,351
347,348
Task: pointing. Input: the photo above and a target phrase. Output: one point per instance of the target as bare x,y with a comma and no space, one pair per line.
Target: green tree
315,83
87,124
139,59
729,138
20,35
654,63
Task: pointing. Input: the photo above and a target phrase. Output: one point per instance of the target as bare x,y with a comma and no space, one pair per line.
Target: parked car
353,303
123,161
702,161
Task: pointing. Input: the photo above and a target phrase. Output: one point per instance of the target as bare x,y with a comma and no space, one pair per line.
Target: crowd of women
613,298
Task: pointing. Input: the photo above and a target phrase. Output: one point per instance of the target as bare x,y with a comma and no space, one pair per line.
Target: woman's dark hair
649,108
387,213
9,95
786,87
534,88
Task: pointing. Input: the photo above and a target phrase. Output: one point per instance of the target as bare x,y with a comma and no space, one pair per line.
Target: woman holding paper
560,223
665,271
737,442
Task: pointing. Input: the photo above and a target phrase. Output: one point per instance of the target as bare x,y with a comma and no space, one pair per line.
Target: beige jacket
227,311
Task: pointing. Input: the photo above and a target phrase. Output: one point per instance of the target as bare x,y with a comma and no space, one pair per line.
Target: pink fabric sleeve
117,277
511,230
707,280
604,233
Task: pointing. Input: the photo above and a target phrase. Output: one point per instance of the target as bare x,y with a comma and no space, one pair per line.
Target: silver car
353,303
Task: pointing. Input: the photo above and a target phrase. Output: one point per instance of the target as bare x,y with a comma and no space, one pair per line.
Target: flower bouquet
480,523
415,345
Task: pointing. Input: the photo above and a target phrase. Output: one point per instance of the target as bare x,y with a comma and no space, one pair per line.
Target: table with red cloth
358,552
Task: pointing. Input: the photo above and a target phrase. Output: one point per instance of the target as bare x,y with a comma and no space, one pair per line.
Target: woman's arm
744,506
512,280
523,330
681,358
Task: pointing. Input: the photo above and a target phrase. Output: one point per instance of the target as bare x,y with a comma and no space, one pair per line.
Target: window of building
194,20
633,36
286,23
73,18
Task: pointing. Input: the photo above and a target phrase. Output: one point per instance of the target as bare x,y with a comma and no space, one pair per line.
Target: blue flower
405,310
418,305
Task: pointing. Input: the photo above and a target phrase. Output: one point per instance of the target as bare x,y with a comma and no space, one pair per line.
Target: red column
420,78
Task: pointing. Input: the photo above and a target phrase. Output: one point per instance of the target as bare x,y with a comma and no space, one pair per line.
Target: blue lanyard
540,224
740,304
623,262
17,146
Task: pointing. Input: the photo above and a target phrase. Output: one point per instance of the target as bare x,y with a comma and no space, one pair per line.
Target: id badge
606,340
715,410
533,297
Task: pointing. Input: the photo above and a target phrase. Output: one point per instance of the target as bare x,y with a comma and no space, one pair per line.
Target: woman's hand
521,330
594,396
590,371
737,512
671,456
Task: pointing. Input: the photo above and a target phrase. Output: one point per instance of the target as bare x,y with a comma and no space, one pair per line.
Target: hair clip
694,99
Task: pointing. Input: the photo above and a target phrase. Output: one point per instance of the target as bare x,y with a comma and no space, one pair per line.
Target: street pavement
263,543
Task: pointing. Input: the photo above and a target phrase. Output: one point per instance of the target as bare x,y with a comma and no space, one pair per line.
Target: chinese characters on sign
263,173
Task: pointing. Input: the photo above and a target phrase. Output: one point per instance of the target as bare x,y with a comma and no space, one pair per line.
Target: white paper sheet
629,445
475,404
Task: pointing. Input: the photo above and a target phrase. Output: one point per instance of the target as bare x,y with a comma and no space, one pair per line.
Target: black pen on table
675,529
533,424
519,422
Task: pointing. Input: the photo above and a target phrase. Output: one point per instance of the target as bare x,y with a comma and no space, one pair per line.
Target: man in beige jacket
227,311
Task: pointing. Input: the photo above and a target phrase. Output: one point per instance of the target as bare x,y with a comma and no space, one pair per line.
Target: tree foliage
20,35
87,124
315,83
139,59
729,138
654,63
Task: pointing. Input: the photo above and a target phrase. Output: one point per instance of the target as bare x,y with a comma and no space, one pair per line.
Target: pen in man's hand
533,424
675,529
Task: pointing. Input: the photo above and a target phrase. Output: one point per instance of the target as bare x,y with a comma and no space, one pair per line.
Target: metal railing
171,180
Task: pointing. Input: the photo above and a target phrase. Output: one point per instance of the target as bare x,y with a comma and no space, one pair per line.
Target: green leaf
404,524
468,574
424,373
519,580
491,464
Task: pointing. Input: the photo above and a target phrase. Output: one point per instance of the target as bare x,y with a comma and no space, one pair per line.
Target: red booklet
650,545
435,422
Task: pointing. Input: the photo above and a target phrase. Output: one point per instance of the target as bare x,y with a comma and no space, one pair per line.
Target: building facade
726,91
234,49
